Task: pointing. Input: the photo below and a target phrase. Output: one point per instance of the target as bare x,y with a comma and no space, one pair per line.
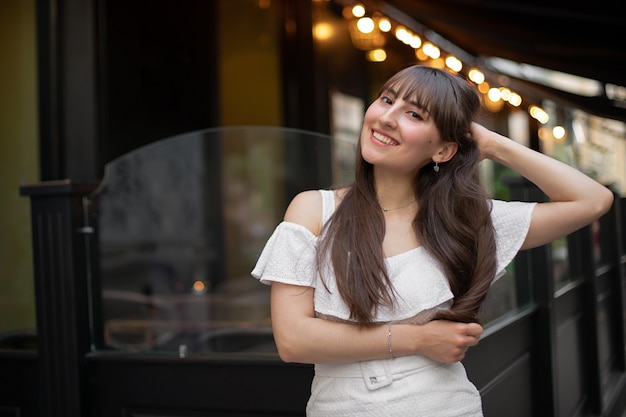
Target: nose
388,117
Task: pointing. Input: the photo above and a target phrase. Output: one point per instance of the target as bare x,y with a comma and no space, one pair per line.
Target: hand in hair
483,138
447,341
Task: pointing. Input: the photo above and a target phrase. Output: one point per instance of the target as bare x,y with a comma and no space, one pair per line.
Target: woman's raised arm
576,200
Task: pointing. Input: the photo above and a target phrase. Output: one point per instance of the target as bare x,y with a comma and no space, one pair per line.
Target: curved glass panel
180,224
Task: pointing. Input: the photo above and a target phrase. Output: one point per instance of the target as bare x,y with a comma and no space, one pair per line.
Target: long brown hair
453,222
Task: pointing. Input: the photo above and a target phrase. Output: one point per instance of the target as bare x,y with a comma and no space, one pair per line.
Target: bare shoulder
305,209
340,193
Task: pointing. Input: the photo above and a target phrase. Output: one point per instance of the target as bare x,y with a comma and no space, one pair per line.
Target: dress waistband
378,373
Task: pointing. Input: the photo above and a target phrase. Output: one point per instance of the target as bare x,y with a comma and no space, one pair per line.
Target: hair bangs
427,89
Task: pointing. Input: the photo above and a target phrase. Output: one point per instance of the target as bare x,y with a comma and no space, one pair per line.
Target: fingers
456,355
470,336
461,350
480,135
448,341
474,331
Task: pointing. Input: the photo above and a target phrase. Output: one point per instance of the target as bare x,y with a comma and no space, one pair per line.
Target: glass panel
622,217
560,261
599,255
501,298
181,223
580,247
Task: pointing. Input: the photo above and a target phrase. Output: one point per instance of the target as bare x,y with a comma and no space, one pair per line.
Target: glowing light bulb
358,10
365,25
384,25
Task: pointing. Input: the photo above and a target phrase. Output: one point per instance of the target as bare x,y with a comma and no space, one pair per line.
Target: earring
436,167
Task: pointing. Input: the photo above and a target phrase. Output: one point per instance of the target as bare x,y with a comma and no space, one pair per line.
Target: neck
393,191
387,208
395,197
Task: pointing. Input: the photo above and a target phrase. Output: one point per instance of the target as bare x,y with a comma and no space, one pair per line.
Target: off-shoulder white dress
403,386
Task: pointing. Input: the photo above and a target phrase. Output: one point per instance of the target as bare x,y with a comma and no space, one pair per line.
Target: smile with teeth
384,139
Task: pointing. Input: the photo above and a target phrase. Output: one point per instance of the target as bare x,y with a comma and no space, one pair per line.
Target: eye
386,99
415,115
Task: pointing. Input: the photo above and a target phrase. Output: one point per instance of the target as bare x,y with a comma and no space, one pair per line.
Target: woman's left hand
483,138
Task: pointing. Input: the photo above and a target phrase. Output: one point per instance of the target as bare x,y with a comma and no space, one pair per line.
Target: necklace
397,208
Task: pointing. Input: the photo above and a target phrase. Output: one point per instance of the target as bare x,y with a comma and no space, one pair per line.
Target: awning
585,39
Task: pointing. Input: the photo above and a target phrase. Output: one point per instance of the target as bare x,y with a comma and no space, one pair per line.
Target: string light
484,87
384,24
558,132
425,50
323,31
415,41
376,55
494,94
365,25
476,76
431,50
402,34
515,100
358,10
539,114
454,63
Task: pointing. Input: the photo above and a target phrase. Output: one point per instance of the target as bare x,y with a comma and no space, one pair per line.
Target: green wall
18,161
249,64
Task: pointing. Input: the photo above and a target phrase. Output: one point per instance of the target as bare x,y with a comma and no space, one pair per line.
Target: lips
384,139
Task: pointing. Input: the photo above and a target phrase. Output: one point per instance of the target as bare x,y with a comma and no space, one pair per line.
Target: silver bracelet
389,347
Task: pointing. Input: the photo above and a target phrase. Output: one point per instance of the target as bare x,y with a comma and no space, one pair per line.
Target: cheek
367,150
375,109
370,115
425,136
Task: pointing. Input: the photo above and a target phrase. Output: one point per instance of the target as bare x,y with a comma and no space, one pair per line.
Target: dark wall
19,382
159,76
116,75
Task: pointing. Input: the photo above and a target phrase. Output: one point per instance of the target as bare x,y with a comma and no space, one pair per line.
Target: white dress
403,386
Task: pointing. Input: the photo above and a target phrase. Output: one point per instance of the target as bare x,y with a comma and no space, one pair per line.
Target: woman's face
399,135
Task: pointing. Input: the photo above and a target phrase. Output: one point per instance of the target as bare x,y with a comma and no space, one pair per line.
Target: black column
62,293
67,36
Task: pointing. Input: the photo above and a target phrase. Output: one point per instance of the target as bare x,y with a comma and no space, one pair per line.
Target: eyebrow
389,91
393,92
423,109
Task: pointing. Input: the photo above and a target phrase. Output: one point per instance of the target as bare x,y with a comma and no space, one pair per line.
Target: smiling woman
382,294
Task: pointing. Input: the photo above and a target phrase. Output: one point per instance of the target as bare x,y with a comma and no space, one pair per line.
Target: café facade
171,136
